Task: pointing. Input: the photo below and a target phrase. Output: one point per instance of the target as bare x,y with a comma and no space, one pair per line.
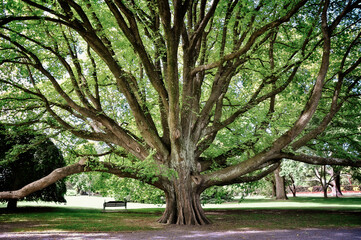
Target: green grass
72,219
284,219
345,203
301,212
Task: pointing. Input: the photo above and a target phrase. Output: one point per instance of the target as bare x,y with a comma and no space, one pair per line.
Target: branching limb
315,160
78,167
130,29
336,103
246,179
252,39
221,159
311,106
54,176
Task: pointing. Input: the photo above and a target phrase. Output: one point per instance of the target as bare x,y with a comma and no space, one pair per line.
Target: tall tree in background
323,178
26,158
183,95
280,184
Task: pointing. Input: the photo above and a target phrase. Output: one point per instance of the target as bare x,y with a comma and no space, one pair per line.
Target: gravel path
177,234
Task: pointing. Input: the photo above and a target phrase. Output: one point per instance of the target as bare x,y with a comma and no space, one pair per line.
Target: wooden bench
115,204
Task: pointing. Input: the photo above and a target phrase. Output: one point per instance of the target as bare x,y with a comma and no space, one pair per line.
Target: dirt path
179,233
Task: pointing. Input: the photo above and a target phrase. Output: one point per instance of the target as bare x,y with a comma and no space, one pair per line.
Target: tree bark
292,186
273,182
321,176
325,192
280,185
12,204
183,205
336,186
293,190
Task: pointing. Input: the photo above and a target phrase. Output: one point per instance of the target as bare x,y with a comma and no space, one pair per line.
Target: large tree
184,95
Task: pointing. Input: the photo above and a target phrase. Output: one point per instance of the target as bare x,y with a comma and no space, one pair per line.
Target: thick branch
63,172
254,101
246,179
335,104
7,19
133,35
252,39
54,176
321,160
200,30
311,106
228,174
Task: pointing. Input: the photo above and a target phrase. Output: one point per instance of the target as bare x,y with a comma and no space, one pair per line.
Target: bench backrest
115,204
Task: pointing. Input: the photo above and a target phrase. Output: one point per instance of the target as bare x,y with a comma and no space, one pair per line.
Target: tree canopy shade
184,95
37,158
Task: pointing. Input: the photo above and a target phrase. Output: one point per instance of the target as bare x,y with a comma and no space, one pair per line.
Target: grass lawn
300,212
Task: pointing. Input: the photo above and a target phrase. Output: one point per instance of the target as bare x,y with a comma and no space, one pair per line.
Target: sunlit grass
345,203
300,212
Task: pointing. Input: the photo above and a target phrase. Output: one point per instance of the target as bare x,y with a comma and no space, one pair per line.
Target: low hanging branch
54,176
75,168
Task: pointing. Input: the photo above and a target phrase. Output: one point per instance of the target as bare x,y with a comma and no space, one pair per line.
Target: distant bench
115,204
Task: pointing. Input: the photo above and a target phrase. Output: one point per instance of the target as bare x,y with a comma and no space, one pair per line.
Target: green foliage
298,171
26,157
263,187
217,194
221,194
119,188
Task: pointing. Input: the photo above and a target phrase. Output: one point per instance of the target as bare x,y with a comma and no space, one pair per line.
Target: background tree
25,158
341,139
280,184
184,95
336,183
323,177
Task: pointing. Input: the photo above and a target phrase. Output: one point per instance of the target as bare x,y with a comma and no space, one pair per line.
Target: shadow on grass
267,217
75,219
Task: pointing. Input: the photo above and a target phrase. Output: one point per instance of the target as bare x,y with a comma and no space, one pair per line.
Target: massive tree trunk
183,205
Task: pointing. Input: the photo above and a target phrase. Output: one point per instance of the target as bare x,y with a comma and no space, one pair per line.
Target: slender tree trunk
324,181
280,185
12,204
321,176
292,186
273,183
325,192
294,192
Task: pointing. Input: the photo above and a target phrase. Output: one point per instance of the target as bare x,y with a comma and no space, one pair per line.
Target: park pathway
178,234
